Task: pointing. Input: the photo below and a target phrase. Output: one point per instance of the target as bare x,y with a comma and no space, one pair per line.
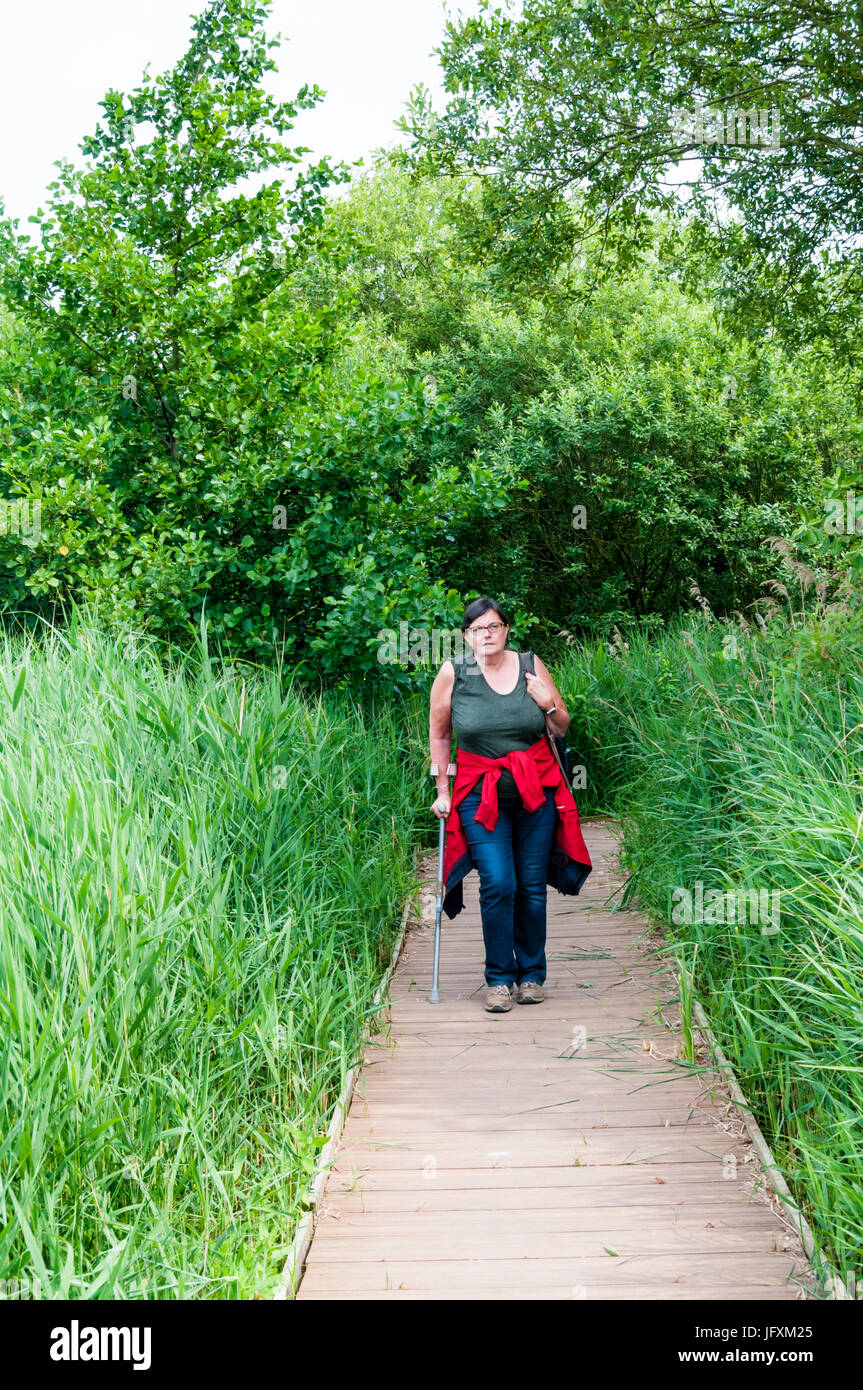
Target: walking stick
434,996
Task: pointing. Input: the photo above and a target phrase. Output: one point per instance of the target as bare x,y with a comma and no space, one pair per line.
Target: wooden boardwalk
558,1151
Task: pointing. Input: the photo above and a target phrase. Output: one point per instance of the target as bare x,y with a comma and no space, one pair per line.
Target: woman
511,813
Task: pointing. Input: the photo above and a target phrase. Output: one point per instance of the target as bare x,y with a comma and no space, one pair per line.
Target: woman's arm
542,688
440,727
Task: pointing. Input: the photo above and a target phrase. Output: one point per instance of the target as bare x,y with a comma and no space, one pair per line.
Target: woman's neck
492,663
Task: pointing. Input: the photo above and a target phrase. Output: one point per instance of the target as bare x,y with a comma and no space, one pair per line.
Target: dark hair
478,607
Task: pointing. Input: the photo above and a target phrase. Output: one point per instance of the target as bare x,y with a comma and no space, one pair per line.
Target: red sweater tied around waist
533,770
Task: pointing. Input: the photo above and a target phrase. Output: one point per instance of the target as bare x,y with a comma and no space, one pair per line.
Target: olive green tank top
490,724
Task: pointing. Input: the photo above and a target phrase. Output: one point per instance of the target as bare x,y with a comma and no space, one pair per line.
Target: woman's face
487,634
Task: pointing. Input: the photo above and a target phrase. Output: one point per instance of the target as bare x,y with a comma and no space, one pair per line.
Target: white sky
59,57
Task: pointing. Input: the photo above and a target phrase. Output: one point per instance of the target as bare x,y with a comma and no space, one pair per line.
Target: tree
164,347
175,392
571,113
646,444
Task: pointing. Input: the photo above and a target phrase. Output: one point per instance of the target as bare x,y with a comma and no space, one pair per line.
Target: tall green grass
202,879
734,757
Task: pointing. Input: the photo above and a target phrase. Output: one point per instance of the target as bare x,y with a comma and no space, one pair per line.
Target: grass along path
733,758
203,875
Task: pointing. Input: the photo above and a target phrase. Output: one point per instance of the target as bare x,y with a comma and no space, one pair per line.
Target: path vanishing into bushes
564,1150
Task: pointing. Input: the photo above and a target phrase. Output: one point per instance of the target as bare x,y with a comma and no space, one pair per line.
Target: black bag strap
555,742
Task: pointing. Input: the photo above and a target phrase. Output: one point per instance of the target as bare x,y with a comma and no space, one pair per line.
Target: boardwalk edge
833,1280
292,1272
837,1287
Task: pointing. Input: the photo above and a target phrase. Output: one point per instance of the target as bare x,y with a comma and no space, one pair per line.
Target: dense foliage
166,397
317,420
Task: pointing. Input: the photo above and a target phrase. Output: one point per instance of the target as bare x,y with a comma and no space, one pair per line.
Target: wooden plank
593,1184
474,1099
489,1242
588,1115
694,1272
588,1221
699,1198
513,1150
644,1294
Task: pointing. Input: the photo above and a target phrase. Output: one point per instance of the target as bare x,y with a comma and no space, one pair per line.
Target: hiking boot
499,998
530,992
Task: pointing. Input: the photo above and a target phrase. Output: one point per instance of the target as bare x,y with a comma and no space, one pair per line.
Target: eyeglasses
491,628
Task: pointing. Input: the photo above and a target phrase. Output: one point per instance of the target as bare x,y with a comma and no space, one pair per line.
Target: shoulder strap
525,661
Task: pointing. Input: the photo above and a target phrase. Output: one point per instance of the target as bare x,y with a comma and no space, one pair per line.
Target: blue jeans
512,861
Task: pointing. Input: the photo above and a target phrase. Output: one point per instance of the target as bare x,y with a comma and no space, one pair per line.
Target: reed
203,874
